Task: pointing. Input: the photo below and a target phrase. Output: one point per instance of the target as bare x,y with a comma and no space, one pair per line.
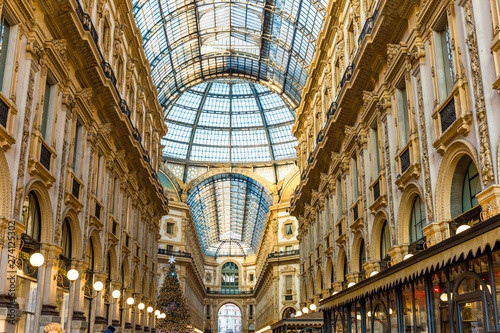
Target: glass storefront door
471,318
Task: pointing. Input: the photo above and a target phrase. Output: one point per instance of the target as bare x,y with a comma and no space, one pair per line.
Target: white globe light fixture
157,313
462,228
409,255
130,301
37,259
305,309
298,314
149,309
98,285
351,284
163,315
72,274
312,307
116,294
444,297
374,273
141,306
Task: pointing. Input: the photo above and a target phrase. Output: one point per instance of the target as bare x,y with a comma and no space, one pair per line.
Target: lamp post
37,260
72,276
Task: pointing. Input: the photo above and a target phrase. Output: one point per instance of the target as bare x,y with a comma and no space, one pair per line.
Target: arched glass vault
229,121
229,211
188,42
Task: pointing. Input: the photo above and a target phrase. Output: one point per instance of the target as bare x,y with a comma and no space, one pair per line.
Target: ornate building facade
80,129
398,152
264,286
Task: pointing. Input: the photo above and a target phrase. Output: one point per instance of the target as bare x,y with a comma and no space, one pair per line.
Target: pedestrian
110,329
53,328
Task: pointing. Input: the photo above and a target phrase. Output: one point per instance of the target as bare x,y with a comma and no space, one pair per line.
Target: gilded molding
477,81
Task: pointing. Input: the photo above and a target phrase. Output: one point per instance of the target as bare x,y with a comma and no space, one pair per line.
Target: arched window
362,255
288,312
251,328
32,217
90,256
471,187
417,220
229,276
345,268
385,241
380,322
66,240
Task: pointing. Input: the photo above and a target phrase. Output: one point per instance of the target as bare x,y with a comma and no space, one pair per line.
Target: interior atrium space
249,166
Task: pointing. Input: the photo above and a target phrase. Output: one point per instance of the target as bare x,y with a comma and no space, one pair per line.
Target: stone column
48,313
127,320
114,319
489,199
79,322
100,323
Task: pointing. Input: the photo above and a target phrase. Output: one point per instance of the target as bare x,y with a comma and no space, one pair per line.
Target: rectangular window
288,285
339,198
375,152
403,121
170,249
5,34
327,212
116,195
288,248
352,39
318,226
170,228
47,111
77,148
250,311
355,180
289,229
444,59
251,277
98,178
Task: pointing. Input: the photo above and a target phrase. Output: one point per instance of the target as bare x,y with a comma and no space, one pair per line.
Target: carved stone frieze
477,81
425,151
24,146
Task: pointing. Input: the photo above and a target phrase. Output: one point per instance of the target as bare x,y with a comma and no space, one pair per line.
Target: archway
229,319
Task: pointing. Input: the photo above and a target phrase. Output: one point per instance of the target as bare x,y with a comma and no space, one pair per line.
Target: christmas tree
172,302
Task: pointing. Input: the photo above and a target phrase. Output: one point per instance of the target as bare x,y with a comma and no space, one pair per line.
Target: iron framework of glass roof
191,41
229,121
230,212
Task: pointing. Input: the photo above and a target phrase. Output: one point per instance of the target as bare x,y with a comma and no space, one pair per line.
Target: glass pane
472,320
420,307
408,307
440,298
380,323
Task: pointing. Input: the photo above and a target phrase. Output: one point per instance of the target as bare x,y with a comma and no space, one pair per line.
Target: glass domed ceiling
229,121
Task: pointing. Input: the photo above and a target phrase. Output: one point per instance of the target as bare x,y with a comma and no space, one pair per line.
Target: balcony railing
405,160
229,291
174,253
4,113
347,75
87,24
470,217
368,27
448,115
320,137
376,190
332,109
45,156
417,246
283,254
